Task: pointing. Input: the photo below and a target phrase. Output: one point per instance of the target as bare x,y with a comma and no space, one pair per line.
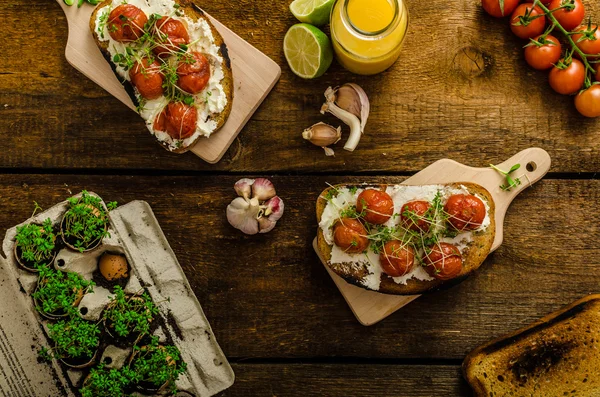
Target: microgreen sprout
104,382
58,291
129,315
74,338
511,182
35,243
157,365
85,223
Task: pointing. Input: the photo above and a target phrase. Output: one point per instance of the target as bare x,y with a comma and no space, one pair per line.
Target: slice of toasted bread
189,9
558,355
473,257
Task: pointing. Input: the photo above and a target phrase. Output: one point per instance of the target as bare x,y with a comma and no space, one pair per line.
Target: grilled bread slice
188,9
473,255
558,355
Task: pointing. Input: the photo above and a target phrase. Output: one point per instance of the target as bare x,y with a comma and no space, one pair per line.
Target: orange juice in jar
367,35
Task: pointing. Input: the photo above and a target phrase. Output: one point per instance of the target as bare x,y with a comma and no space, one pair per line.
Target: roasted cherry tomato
126,23
377,206
569,19
193,72
170,35
412,215
492,7
397,259
533,24
588,102
588,41
443,261
569,80
178,120
542,57
350,235
147,77
465,211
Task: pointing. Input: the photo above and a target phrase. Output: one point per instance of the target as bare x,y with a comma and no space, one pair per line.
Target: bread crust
474,257
558,338
195,13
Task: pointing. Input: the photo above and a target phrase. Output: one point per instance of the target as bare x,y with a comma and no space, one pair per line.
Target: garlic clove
242,215
329,152
352,98
266,225
355,100
322,134
274,208
263,189
243,187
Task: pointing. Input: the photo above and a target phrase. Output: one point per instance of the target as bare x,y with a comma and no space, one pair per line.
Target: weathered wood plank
347,380
268,296
436,102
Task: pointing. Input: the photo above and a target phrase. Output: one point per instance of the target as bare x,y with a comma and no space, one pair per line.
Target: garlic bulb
350,104
323,135
257,209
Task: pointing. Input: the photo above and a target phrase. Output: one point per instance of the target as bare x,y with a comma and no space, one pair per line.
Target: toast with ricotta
557,355
172,62
420,233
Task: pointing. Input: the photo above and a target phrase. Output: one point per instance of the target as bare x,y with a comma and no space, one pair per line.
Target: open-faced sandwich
405,240
172,62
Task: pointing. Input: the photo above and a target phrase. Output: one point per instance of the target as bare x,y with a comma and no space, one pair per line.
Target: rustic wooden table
461,90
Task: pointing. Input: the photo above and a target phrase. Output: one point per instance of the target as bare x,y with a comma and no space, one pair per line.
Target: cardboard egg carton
135,233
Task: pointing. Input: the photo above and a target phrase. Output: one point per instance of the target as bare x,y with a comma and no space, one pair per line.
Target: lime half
315,12
307,50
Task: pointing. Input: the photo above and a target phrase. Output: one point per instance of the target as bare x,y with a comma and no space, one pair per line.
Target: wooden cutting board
370,307
254,76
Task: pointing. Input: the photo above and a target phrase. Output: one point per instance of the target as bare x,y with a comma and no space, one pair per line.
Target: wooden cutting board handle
371,307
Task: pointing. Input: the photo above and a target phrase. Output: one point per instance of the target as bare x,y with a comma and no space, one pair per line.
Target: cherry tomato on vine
492,7
527,22
588,40
569,19
587,102
542,54
568,80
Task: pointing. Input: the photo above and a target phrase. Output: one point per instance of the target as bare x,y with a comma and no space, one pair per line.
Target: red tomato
569,80
412,215
569,19
170,34
465,211
397,259
350,235
193,72
492,7
532,26
590,43
126,23
545,56
546,2
378,206
147,78
588,102
443,261
178,120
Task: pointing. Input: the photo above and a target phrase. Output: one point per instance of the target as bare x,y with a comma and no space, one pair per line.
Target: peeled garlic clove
322,134
243,187
274,210
266,225
263,189
352,98
329,152
242,215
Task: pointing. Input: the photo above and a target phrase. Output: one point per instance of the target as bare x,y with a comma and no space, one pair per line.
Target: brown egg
113,267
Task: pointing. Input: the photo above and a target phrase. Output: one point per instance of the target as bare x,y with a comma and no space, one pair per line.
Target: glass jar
367,35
